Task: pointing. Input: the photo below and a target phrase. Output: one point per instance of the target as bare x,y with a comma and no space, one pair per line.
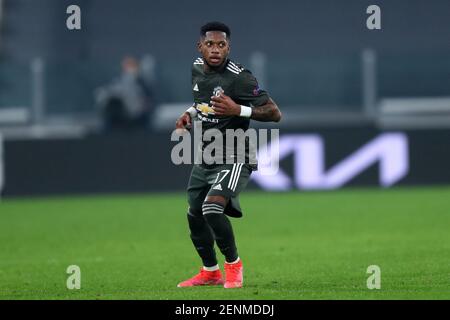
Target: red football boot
204,278
234,275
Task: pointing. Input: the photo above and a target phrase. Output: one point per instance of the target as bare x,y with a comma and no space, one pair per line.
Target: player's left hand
223,105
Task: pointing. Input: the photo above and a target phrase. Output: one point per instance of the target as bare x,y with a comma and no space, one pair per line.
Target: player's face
214,48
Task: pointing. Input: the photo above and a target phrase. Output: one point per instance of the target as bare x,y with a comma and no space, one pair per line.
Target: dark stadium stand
313,55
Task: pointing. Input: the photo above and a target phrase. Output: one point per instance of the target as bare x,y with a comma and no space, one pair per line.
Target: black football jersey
236,82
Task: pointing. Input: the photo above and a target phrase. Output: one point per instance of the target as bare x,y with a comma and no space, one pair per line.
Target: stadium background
74,194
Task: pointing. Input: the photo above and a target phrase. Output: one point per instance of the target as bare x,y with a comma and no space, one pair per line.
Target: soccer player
226,96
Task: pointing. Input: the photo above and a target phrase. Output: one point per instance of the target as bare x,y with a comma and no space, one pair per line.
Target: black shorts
226,180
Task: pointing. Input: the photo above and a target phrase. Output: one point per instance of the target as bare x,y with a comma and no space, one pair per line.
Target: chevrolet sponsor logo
204,108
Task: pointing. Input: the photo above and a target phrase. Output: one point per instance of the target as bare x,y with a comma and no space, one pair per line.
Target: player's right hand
183,123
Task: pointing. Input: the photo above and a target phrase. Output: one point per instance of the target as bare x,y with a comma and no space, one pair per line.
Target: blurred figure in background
127,102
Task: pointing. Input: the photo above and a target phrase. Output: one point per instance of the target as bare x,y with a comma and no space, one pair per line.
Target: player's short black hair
215,26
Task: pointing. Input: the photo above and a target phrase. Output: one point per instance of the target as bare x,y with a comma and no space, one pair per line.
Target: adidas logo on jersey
218,187
195,87
234,68
199,61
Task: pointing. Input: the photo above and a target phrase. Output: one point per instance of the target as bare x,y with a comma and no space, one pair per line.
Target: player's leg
213,211
230,180
200,232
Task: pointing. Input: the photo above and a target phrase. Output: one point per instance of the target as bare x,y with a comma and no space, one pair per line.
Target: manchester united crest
217,91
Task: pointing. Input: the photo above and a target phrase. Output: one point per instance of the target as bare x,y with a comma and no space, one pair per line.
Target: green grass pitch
298,245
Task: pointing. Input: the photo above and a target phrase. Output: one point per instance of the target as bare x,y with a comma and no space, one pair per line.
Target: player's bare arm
223,105
266,112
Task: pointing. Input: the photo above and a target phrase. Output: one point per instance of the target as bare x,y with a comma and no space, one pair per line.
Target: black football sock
223,231
202,238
